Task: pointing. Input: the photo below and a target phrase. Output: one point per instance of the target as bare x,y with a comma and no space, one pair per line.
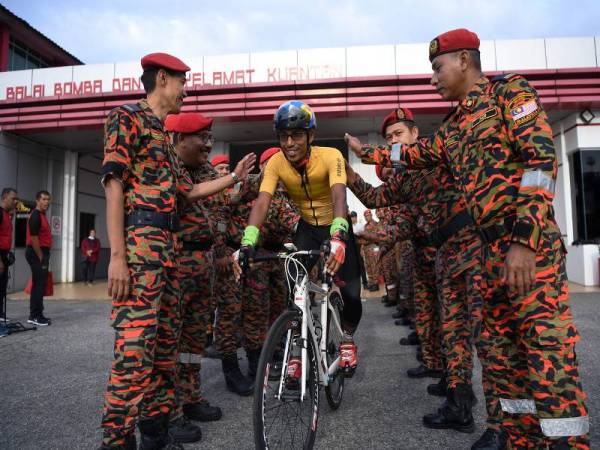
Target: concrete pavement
52,381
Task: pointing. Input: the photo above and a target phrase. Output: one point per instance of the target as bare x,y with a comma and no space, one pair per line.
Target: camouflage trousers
389,270
197,277
370,257
228,313
427,313
263,301
405,261
527,348
458,269
142,375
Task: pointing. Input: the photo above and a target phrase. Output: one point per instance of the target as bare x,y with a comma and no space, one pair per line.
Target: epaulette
504,77
132,107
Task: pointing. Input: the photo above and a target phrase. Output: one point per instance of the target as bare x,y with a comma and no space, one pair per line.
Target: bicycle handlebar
283,255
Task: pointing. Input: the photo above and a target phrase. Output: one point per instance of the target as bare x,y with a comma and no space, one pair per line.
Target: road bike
301,354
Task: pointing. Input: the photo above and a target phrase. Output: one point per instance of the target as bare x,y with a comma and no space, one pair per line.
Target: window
586,171
21,57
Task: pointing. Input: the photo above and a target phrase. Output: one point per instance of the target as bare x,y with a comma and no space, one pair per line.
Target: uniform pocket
553,336
130,348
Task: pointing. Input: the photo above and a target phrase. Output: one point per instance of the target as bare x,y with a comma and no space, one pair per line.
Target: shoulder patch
526,111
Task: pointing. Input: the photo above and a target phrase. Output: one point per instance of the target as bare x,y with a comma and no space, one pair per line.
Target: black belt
457,223
147,218
492,232
197,246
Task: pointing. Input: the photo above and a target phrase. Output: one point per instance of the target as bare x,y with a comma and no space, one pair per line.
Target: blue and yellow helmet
294,114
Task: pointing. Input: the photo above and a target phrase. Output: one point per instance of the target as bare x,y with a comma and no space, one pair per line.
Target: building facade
51,123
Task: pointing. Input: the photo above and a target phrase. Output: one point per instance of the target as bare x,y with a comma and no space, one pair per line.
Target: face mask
91,237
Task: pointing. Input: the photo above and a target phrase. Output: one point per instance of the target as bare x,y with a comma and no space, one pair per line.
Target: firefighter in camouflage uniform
497,144
193,140
457,274
142,177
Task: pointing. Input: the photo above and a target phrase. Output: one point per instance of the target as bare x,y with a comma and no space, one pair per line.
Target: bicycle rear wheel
285,422
334,391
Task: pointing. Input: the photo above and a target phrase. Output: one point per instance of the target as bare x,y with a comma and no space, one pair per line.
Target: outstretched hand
245,166
354,145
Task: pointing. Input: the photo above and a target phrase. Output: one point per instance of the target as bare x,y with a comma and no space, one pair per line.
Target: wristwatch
234,176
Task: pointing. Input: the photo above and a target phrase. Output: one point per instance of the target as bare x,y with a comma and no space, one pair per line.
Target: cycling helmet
294,114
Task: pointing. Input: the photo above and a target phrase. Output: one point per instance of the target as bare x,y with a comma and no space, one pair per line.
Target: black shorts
311,237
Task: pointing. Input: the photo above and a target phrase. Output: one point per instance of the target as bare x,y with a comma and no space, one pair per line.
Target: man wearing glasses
315,179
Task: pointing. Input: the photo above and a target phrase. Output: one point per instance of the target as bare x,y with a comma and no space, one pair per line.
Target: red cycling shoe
349,358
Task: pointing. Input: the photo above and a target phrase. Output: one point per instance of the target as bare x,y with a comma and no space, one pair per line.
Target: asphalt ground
52,381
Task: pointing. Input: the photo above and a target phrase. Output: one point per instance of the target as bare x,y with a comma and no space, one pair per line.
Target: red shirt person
39,242
90,249
8,201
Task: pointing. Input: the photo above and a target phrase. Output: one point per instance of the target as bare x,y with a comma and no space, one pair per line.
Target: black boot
253,356
234,378
455,413
374,287
422,371
491,440
439,389
400,314
130,444
202,411
154,434
182,430
411,339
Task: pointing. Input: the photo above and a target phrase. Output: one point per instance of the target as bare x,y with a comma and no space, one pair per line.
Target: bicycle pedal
348,372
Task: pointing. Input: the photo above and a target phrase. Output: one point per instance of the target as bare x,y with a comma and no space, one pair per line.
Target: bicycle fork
300,296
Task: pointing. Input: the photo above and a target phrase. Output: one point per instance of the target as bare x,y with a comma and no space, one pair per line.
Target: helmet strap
301,165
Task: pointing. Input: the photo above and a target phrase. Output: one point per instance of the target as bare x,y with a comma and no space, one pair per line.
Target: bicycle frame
308,331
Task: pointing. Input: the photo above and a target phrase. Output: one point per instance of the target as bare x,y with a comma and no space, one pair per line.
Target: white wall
573,134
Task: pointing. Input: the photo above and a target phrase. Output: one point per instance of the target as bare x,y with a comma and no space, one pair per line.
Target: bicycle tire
334,391
265,427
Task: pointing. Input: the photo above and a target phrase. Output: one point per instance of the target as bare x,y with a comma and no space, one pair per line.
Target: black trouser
88,270
311,237
361,262
3,282
39,278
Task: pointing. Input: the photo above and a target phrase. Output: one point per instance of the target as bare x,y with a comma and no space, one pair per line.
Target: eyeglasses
296,135
206,137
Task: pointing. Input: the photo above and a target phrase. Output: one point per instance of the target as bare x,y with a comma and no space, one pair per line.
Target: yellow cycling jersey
311,191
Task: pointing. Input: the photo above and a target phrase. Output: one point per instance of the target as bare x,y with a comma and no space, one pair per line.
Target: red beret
219,159
164,61
190,122
268,153
397,115
451,41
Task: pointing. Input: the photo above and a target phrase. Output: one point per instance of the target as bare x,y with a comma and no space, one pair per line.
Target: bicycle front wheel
334,391
282,420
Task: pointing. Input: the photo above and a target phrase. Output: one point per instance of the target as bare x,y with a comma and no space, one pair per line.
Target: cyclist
315,180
